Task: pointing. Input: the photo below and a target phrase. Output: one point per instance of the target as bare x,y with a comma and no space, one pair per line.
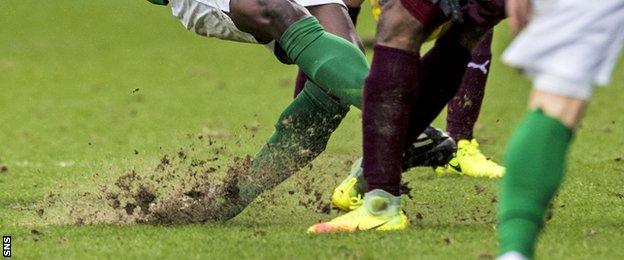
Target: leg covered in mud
301,134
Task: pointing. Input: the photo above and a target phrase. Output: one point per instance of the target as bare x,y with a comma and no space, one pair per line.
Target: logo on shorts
6,246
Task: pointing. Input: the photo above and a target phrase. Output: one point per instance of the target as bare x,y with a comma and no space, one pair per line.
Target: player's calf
569,110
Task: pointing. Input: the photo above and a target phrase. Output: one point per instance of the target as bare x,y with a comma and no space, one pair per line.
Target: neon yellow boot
349,193
470,161
380,211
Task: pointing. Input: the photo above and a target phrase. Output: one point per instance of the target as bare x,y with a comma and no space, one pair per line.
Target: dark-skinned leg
331,62
439,74
389,94
396,90
266,19
464,108
334,19
300,82
462,114
304,128
442,71
354,7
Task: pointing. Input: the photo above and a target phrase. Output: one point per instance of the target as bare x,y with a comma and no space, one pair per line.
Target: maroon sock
300,82
442,70
389,92
464,108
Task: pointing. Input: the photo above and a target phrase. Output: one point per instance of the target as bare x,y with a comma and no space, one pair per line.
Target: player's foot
432,148
350,192
470,161
380,211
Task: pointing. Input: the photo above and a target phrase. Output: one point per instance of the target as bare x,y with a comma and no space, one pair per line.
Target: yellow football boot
432,148
349,193
376,8
470,161
380,211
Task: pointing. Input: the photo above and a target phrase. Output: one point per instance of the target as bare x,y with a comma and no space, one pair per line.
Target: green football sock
333,63
301,134
535,164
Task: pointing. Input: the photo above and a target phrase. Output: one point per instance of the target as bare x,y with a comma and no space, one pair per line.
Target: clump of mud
207,198
179,190
190,185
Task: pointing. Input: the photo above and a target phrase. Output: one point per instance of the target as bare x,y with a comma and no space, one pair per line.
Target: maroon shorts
482,13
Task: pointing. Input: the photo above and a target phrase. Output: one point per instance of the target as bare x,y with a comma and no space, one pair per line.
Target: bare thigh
265,19
397,28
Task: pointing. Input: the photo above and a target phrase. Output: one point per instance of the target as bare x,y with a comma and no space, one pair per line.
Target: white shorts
570,45
209,18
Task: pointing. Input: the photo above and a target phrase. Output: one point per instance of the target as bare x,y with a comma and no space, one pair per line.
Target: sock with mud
464,108
333,63
301,134
535,164
388,97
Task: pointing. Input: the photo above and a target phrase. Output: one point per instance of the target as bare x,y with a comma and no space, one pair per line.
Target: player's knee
399,39
280,14
270,17
266,11
397,28
265,19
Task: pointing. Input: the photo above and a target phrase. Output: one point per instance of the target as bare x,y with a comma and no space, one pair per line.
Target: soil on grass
181,188
189,185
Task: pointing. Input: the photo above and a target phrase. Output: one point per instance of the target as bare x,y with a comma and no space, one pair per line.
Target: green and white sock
535,162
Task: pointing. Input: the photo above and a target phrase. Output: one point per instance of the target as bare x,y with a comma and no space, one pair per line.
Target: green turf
85,84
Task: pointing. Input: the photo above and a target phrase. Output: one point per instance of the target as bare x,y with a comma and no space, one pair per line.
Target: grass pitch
94,89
